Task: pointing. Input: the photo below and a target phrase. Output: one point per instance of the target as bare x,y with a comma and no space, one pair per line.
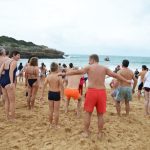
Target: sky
105,27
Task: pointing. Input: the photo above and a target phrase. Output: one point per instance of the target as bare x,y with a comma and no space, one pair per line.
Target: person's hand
61,74
12,85
129,81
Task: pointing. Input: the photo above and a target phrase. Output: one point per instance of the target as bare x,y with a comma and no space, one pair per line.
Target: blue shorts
124,93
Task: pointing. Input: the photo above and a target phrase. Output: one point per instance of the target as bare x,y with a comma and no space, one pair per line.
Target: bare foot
85,134
50,126
57,127
100,135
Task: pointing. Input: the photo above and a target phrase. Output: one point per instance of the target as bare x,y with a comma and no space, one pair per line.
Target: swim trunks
147,89
140,86
124,93
54,96
95,98
72,93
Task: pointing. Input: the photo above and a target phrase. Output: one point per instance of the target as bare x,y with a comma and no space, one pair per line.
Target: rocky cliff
28,49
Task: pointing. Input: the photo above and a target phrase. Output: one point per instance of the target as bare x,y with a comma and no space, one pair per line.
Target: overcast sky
106,27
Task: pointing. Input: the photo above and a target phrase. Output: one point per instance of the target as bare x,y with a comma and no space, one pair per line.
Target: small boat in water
66,56
107,59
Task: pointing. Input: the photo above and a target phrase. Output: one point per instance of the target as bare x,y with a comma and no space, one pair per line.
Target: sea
82,61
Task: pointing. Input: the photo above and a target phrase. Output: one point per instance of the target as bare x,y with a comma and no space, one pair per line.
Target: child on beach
54,94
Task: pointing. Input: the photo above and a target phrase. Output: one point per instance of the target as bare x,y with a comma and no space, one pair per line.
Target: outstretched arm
78,72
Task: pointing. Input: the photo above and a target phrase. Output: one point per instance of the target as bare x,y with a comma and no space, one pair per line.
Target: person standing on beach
3,58
147,93
8,84
142,75
32,81
54,95
72,89
96,93
125,90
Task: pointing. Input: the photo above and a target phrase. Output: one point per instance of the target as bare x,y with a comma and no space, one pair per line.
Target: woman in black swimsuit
32,78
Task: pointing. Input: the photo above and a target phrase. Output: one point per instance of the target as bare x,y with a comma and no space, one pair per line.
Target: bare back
54,82
142,75
127,74
96,76
73,81
32,72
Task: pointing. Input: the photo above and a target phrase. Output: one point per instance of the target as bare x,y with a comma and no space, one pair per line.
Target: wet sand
31,130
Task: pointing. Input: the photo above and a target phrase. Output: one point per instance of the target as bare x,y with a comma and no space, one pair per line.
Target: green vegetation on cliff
28,49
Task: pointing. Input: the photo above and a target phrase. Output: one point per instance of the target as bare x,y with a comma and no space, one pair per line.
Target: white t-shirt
147,80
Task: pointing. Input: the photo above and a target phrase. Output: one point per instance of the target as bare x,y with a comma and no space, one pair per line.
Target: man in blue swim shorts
125,90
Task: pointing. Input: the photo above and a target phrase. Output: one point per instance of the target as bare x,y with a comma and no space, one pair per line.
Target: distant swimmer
96,93
54,94
125,90
142,75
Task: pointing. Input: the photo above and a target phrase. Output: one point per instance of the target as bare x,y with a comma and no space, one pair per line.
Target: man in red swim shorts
96,93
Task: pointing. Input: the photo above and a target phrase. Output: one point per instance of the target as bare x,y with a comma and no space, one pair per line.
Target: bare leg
29,97
34,92
7,104
149,104
146,102
11,97
127,107
56,112
79,107
100,124
67,104
87,120
118,108
139,94
51,111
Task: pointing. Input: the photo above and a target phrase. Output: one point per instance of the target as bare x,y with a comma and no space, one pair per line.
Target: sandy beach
31,130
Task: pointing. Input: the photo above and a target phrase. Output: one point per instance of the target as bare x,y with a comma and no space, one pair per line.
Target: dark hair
7,52
144,67
125,63
94,57
14,53
59,64
1,51
54,67
64,65
71,65
34,61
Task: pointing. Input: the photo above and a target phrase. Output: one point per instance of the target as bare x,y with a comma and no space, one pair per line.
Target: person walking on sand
142,75
96,93
147,93
125,90
54,95
32,81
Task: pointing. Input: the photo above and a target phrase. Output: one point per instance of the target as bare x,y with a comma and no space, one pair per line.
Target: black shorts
147,89
54,96
140,86
85,78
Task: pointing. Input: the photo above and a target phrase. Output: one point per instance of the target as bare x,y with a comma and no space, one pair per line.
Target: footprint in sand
68,130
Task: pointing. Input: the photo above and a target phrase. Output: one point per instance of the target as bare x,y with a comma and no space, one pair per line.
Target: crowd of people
65,83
